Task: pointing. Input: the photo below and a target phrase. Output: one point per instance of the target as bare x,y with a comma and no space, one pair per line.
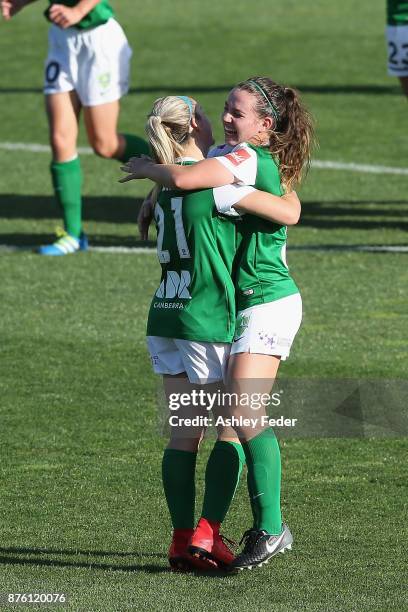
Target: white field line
362,168
317,163
8,248
33,147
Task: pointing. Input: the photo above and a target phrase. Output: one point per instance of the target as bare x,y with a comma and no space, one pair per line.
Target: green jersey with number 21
195,246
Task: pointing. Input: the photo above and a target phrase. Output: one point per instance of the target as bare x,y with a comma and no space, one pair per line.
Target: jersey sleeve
226,196
242,162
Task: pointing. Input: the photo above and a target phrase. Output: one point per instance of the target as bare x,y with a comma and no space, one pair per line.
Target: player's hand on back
10,7
146,214
65,16
136,168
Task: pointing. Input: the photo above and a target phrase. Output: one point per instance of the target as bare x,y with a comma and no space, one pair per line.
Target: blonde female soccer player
269,135
87,69
191,324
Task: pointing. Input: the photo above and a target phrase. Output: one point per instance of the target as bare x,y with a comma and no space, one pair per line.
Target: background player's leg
101,125
63,111
404,84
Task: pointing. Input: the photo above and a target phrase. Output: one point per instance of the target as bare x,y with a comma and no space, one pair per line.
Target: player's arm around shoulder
284,209
236,166
202,175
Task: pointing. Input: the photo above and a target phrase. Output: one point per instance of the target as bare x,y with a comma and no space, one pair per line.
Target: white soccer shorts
268,329
397,40
94,62
203,362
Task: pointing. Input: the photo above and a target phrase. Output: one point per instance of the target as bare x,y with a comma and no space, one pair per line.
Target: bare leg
183,437
63,111
101,123
251,374
404,84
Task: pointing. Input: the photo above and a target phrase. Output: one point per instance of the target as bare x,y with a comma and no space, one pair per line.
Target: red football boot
208,545
180,559
178,553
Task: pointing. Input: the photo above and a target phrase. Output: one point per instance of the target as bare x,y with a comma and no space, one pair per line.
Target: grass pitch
82,511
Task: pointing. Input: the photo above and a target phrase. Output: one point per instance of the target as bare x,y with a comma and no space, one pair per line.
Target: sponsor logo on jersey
238,157
175,285
169,305
241,326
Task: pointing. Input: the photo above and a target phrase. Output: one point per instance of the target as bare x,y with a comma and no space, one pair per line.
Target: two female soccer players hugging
222,233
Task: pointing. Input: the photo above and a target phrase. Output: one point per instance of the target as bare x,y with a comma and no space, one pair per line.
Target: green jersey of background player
96,16
397,12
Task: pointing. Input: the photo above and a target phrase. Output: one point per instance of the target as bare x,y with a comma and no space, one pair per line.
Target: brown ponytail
292,134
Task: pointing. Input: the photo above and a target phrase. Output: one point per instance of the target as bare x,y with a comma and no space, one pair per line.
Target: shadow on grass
31,242
320,214
388,90
37,557
101,208
355,214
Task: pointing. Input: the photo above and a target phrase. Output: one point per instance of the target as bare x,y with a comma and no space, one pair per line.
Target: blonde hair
168,128
292,134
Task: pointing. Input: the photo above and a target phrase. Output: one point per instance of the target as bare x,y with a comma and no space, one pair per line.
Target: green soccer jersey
397,12
96,17
196,245
260,270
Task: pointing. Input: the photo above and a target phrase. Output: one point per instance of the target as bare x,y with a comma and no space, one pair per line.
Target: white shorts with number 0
268,329
203,362
397,39
94,62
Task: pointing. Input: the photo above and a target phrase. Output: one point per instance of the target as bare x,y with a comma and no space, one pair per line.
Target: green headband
189,103
274,110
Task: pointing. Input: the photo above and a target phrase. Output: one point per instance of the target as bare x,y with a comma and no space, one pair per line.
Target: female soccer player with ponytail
87,69
269,136
191,324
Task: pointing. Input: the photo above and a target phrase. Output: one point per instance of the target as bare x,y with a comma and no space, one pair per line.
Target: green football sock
222,474
264,478
178,473
135,146
251,489
67,181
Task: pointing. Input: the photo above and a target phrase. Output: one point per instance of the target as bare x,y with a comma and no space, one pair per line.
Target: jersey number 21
182,247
